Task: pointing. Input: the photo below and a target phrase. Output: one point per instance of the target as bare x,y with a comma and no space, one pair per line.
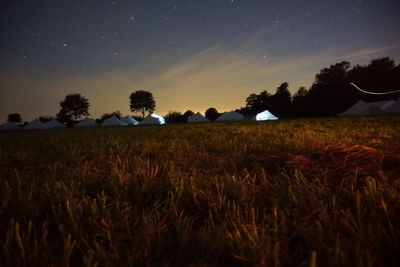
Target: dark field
309,192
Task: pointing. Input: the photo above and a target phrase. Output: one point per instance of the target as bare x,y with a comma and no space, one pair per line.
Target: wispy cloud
367,53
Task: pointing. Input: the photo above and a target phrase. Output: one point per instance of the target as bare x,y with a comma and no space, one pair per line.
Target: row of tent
362,108
128,120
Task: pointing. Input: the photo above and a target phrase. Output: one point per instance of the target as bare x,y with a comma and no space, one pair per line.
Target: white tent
355,109
394,108
54,124
9,126
265,116
231,116
153,119
113,121
35,125
87,123
368,108
129,120
371,111
382,104
197,118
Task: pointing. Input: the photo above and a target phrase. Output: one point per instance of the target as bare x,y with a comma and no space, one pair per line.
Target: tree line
330,94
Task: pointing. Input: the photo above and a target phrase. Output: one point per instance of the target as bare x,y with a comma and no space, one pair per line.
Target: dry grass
297,192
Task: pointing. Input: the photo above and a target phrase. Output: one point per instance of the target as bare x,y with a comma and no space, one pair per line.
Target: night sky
191,54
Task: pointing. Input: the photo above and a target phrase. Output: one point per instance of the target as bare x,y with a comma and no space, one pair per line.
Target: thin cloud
367,53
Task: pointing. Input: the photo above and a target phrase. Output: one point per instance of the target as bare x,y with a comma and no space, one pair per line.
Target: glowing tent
265,116
35,125
87,123
231,116
153,119
129,120
9,126
197,118
54,124
113,121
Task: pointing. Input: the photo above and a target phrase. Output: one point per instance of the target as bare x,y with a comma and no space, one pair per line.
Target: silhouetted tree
256,103
73,107
245,111
175,117
45,118
14,117
280,103
381,75
142,101
188,113
212,114
331,91
300,103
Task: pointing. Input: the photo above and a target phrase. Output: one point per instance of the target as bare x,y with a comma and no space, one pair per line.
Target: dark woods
331,92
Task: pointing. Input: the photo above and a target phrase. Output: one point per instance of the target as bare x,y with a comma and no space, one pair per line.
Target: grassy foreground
316,192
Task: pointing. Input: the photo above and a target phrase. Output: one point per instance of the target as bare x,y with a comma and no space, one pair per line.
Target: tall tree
14,117
331,91
73,108
188,113
212,114
256,103
280,103
381,75
300,103
142,101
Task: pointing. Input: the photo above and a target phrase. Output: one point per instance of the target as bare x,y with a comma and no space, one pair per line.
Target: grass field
305,192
